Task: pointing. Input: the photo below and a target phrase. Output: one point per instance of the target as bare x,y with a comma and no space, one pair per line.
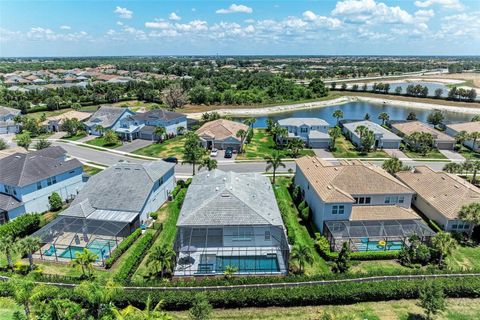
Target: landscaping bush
154,215
122,247
305,214
55,202
302,206
22,226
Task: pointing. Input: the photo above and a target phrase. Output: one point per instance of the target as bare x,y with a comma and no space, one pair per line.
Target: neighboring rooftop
378,213
22,169
68,115
158,114
8,202
376,128
445,192
221,129
337,183
469,127
217,198
297,122
410,127
106,116
6,110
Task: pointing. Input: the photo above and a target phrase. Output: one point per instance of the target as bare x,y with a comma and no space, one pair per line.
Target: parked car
171,159
228,153
214,153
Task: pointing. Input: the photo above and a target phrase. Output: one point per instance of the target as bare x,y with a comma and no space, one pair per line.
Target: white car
214,153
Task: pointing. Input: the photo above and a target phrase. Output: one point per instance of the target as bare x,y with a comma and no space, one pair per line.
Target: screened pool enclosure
248,250
374,235
62,238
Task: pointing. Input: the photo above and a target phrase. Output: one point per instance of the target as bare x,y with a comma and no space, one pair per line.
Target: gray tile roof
376,128
217,198
157,114
105,116
8,202
6,110
22,169
123,187
302,121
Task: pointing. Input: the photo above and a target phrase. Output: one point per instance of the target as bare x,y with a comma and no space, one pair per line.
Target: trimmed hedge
122,247
22,226
362,256
135,256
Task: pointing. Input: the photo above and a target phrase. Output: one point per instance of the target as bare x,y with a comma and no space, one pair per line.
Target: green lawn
91,170
468,153
262,145
295,229
433,154
345,149
76,137
457,309
100,142
168,148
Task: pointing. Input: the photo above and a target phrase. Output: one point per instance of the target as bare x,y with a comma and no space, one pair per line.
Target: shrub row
362,256
135,257
22,226
122,247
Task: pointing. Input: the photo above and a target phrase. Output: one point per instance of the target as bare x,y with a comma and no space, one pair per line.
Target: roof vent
217,188
329,187
224,178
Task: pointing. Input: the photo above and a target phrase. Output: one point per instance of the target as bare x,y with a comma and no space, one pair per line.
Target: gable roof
122,187
302,121
375,127
445,192
106,116
8,202
469,127
80,116
221,129
338,183
410,127
218,198
6,111
158,114
22,169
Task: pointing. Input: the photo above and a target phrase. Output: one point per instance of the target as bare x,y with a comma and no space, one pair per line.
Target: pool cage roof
399,229
64,229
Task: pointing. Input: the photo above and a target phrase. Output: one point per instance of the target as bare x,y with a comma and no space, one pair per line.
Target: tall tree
432,300
334,133
444,244
475,136
7,247
242,135
193,152
435,118
28,246
274,162
24,140
210,164
470,213
84,261
342,263
295,145
302,254
338,114
174,96
394,165
162,259
159,132
384,117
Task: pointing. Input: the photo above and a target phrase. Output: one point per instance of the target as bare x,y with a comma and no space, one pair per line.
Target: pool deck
187,270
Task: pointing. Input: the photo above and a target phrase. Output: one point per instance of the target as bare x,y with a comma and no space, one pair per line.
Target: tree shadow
415,316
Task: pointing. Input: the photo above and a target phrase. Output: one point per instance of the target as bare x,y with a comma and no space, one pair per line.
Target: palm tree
23,291
180,129
7,248
161,259
270,124
99,296
474,136
302,255
295,145
149,313
84,261
338,114
229,271
361,129
210,164
241,134
334,133
470,213
393,166
250,121
444,244
28,246
452,167
384,117
274,162
159,132
193,152
462,136
100,129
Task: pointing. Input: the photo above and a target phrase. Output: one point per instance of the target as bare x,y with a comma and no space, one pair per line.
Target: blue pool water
375,246
101,248
248,263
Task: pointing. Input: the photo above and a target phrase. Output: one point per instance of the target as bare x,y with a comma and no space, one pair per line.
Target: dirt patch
474,77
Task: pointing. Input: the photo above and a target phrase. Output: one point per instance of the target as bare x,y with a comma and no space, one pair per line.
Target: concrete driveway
395,153
323,153
134,145
452,155
221,157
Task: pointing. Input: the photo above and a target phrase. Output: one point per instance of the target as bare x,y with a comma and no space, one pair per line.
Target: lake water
357,111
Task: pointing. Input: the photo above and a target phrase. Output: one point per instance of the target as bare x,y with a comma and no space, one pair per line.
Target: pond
357,111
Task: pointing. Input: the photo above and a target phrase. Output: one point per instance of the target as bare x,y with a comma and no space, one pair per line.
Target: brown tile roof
68,115
473,126
378,213
337,183
221,129
445,192
410,127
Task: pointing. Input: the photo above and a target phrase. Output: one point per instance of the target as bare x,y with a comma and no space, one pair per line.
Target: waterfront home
109,118
27,180
469,127
221,134
54,123
313,131
440,196
230,219
173,122
358,203
406,128
384,138
7,122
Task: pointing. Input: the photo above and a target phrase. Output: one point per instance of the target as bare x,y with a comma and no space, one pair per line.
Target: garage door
445,145
319,144
391,145
3,129
145,136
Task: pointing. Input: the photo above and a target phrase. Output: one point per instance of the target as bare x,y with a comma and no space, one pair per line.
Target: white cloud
158,24
321,21
46,34
460,25
119,23
123,13
371,12
234,8
65,27
173,16
448,4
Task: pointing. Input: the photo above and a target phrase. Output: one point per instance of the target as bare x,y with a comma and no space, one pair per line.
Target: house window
39,185
338,209
242,234
10,190
394,199
401,199
362,200
267,235
303,130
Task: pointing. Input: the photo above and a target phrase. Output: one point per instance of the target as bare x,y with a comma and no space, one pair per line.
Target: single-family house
230,219
313,131
7,123
221,134
440,196
171,121
384,139
358,203
54,123
469,127
441,140
27,180
110,118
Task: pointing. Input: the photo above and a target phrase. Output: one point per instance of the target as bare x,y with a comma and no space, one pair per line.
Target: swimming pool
265,263
376,246
101,248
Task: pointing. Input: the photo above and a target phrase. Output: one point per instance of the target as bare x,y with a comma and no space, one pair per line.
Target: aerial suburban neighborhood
254,160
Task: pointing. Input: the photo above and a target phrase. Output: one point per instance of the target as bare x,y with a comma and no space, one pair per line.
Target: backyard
262,145
345,149
168,148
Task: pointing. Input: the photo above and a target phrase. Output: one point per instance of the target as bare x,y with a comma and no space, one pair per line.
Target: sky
324,27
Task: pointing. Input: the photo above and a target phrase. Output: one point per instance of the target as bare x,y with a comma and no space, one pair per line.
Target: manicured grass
262,145
295,229
468,153
76,137
464,258
345,149
168,148
100,142
457,309
433,154
91,170
377,266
